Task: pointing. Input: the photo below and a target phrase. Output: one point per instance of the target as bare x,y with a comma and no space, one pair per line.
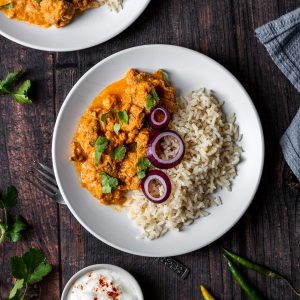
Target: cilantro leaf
149,102
103,118
118,153
20,94
143,165
108,183
39,272
27,269
11,78
141,174
100,146
7,6
13,232
123,116
154,95
18,267
117,128
18,286
8,198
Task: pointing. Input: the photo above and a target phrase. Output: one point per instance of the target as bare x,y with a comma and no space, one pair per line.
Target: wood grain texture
269,232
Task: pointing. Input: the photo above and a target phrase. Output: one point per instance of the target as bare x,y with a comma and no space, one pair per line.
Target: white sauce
102,285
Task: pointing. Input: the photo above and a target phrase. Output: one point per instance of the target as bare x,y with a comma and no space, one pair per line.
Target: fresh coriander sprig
10,229
7,87
28,269
142,167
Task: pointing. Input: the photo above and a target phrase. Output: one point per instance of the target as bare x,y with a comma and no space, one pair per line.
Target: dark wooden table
269,232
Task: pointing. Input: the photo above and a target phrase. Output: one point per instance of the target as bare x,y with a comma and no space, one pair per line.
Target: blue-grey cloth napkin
282,41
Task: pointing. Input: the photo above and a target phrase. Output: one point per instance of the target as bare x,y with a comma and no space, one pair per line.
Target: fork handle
177,267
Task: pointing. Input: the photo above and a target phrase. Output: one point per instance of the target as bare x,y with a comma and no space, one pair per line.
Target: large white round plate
93,27
188,70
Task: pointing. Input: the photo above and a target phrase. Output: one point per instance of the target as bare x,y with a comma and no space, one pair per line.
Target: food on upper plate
109,145
46,13
101,284
171,154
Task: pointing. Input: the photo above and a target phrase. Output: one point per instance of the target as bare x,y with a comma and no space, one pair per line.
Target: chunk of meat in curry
128,94
46,12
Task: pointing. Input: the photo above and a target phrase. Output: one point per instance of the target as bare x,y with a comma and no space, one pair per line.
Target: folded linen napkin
282,41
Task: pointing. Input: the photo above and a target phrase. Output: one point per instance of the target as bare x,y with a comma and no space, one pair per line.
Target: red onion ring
161,163
163,179
158,125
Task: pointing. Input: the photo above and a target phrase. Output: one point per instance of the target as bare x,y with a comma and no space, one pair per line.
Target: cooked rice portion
113,5
210,160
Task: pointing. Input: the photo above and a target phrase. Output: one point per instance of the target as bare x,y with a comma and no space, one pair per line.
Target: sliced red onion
164,181
154,158
155,124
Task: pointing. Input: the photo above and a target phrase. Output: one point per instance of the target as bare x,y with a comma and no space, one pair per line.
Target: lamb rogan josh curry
45,13
109,145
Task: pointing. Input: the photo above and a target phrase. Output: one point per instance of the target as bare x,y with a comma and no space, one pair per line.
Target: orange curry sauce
128,94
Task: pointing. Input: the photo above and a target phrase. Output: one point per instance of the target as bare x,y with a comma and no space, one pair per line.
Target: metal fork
43,178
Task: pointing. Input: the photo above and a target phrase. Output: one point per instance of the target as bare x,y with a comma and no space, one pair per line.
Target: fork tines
42,177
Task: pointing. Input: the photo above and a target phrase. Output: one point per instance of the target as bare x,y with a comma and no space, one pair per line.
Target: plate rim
66,49
69,96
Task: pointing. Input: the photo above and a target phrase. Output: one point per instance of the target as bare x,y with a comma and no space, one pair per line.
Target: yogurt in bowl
102,282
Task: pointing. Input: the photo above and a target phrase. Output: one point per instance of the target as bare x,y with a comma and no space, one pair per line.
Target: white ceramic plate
188,70
95,26
131,281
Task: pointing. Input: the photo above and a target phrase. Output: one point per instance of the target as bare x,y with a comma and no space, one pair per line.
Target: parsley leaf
108,183
11,78
123,116
27,269
117,128
20,94
149,102
100,146
103,118
143,165
119,153
7,6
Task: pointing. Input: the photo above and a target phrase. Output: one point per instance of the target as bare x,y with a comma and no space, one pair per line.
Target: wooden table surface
268,233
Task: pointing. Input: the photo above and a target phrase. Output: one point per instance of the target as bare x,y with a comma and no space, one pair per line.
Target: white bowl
131,280
188,70
93,27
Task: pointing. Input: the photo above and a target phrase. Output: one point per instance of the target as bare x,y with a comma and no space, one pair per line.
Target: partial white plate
188,70
131,281
93,27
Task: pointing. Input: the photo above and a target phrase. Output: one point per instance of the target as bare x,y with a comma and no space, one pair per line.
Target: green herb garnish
123,116
100,146
7,85
151,99
143,165
27,269
10,229
108,183
119,153
117,128
103,118
7,6
149,102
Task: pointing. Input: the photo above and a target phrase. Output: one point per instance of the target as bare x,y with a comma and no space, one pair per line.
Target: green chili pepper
246,287
258,268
